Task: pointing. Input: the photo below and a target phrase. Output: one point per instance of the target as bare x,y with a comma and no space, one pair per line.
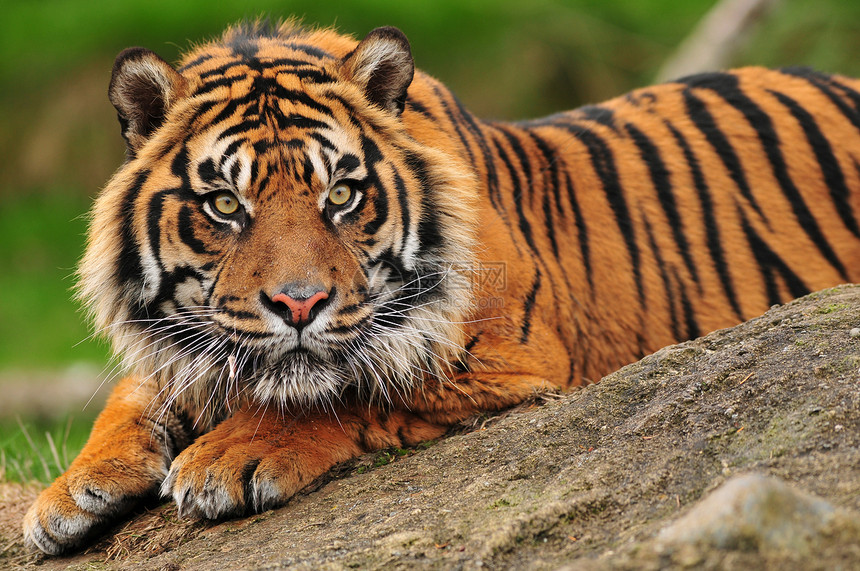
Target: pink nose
300,309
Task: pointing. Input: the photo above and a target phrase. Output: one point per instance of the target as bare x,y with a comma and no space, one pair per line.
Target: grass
42,236
40,449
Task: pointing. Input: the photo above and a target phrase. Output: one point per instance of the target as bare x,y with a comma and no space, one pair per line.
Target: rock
752,513
618,475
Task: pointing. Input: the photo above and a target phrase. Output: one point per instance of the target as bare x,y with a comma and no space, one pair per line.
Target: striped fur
472,264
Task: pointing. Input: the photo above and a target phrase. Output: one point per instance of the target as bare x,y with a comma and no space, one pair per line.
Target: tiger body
664,214
312,253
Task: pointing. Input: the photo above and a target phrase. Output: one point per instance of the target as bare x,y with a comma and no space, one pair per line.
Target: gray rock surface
752,512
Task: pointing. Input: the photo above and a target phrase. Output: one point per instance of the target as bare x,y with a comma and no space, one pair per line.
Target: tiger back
314,251
681,208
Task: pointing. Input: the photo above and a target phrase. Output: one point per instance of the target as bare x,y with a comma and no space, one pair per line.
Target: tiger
313,251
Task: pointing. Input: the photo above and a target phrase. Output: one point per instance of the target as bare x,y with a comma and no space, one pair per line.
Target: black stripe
206,171
764,129
307,171
528,307
468,347
196,61
372,154
603,162
202,109
220,70
848,92
347,163
524,226
661,180
598,114
153,223
241,333
234,173
312,51
704,121
263,186
550,160
380,208
239,314
238,129
727,87
294,96
824,83
300,122
667,283
322,140
489,161
581,229
403,202
243,47
563,121
412,105
820,79
833,176
712,230
350,309
429,227
769,262
456,123
179,168
129,268
228,152
186,232
209,86
231,107
523,158
350,328
255,172
693,329
525,230
351,113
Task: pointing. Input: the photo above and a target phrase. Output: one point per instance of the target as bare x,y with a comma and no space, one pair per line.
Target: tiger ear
382,66
142,88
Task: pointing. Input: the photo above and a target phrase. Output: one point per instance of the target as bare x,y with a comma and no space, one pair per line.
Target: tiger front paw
230,477
82,501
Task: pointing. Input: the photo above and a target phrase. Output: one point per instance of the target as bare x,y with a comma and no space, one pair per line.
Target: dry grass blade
54,452
35,449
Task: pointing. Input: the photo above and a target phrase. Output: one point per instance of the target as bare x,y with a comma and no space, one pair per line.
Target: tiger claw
55,533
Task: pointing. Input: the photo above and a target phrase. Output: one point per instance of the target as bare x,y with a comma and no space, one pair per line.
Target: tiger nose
298,303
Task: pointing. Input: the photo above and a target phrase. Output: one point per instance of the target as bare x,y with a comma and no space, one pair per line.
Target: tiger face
276,234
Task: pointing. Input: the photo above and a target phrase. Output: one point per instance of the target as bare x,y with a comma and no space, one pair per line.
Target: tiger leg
471,393
257,460
124,460
502,371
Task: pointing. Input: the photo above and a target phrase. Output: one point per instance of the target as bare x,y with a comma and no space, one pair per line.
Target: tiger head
276,233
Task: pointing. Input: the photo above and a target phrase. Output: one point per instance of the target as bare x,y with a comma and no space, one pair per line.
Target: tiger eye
340,195
225,203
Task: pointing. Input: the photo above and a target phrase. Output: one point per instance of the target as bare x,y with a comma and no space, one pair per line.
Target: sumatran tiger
313,251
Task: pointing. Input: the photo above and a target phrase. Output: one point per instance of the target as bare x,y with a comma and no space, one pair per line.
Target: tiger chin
313,251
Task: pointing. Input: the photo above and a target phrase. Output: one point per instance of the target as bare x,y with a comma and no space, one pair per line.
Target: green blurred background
59,140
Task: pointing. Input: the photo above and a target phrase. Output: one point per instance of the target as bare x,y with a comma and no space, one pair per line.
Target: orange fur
471,265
